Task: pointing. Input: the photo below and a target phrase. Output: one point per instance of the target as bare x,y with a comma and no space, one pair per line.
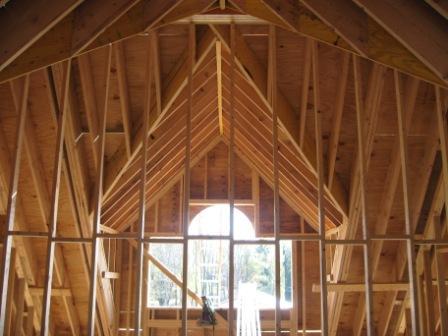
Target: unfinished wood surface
272,122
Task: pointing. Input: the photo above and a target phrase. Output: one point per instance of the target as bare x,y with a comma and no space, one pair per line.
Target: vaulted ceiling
110,45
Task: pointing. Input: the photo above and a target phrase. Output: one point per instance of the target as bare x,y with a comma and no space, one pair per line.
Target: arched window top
215,221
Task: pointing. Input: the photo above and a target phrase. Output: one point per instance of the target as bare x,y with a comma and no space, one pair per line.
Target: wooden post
29,321
429,293
273,95
362,182
129,286
117,286
186,200
294,323
305,89
97,205
303,275
320,196
12,203
230,313
52,225
219,85
441,286
10,295
443,135
410,245
20,305
142,205
145,294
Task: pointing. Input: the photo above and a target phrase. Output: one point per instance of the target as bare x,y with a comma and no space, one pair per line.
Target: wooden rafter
124,95
90,102
118,164
219,85
12,204
387,198
305,91
242,103
95,253
74,173
343,253
343,17
156,69
23,14
116,21
417,27
253,146
256,77
337,119
440,6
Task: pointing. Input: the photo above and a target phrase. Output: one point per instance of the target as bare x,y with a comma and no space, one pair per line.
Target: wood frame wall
436,242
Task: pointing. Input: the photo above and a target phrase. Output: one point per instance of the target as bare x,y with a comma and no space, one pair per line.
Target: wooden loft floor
323,121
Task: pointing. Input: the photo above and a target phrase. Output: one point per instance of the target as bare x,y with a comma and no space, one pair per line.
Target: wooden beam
81,31
187,177
55,100
24,22
440,6
429,294
320,179
272,57
443,137
93,18
231,189
331,20
305,91
417,27
120,63
20,306
118,285
360,117
255,74
110,275
361,287
141,222
441,284
149,15
76,187
219,85
128,321
304,290
178,79
169,169
12,203
56,180
98,202
9,298
28,329
156,69
343,253
410,246
39,291
337,118
388,197
91,106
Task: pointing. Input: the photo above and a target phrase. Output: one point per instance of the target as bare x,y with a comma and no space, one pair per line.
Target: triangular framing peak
323,122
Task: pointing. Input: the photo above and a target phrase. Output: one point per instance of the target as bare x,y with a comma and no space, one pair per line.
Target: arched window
215,221
208,268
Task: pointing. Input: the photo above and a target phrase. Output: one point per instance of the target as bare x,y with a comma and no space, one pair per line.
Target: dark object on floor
208,315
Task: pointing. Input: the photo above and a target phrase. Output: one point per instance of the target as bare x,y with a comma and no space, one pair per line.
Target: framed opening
208,269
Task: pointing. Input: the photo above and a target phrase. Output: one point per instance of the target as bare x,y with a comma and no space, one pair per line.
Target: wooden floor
325,123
